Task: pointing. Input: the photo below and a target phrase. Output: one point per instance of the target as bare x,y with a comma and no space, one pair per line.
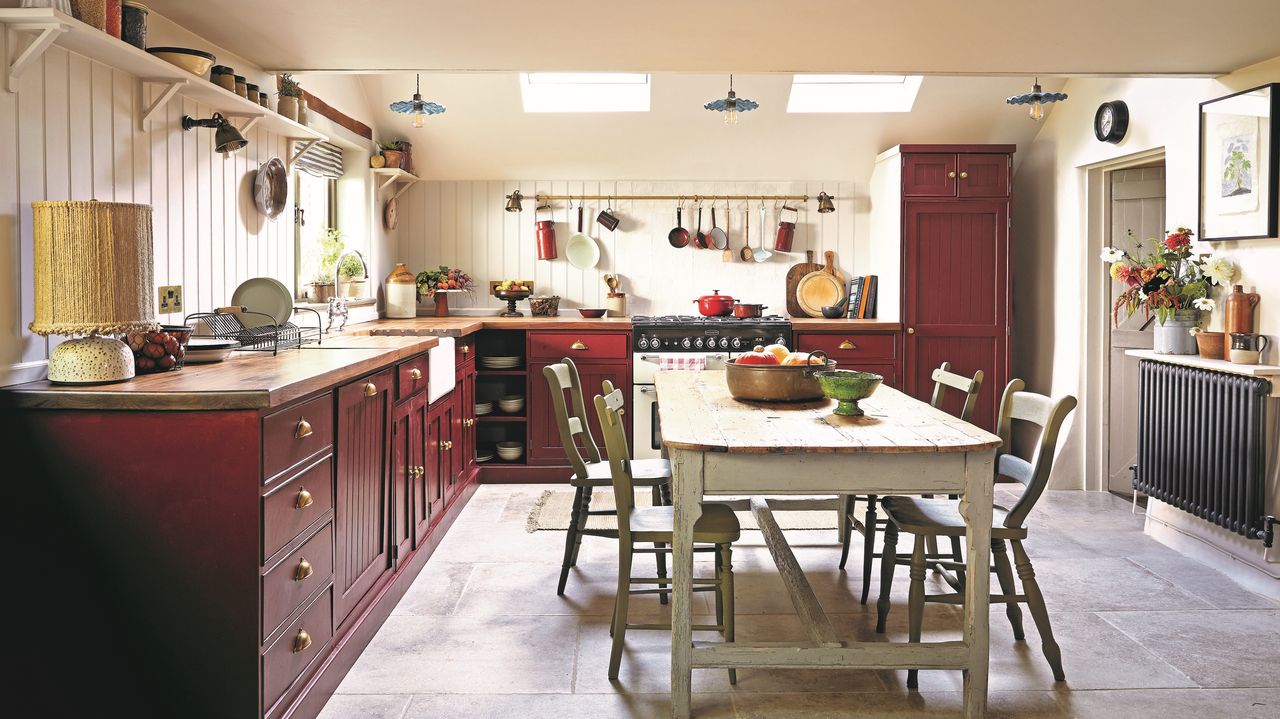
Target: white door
1137,215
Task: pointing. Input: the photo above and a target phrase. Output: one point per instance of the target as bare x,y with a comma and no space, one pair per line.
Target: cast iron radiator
1201,445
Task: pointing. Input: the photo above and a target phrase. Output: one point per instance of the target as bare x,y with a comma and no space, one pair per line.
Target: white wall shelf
1269,371
31,31
388,176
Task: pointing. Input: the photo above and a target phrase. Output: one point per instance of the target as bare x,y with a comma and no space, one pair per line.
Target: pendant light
1037,99
732,105
417,107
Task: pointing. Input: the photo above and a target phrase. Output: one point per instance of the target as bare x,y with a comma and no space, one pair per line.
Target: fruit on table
155,351
800,358
512,285
779,351
756,358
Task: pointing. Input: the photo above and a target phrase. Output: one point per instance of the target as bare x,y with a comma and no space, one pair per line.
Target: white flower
1193,331
1112,254
1220,270
1204,304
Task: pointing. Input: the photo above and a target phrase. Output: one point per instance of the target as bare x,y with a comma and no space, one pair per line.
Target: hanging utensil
763,254
786,228
678,236
717,238
611,281
747,252
727,255
700,239
582,251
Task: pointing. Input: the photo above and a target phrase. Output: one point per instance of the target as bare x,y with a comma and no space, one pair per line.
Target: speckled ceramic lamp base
91,360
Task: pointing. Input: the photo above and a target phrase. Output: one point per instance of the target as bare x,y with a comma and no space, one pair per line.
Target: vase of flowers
438,283
1171,282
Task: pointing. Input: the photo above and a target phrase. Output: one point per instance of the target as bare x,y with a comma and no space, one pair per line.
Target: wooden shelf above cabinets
500,418
34,30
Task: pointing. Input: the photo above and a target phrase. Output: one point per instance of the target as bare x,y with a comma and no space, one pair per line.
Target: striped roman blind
323,159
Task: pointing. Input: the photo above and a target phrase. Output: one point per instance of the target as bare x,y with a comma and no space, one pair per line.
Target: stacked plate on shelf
502,362
510,451
484,454
203,350
511,404
483,408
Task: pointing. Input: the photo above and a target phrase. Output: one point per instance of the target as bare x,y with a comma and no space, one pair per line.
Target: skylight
585,91
853,93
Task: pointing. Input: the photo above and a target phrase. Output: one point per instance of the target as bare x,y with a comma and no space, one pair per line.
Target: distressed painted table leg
686,486
975,505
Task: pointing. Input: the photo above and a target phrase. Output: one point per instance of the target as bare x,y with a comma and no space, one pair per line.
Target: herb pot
288,106
715,304
1210,344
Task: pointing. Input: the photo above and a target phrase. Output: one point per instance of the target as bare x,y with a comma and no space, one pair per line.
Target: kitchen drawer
291,435
305,639
295,505
555,345
465,350
850,346
411,377
295,578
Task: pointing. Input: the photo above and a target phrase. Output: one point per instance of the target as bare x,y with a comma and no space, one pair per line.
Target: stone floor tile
1203,582
563,706
436,590
1172,704
894,705
1220,648
365,706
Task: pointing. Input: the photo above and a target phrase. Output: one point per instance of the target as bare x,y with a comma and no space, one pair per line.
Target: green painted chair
943,379
717,526
941,518
592,471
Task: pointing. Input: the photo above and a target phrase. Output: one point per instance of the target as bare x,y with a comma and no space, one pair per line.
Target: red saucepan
678,236
748,311
715,304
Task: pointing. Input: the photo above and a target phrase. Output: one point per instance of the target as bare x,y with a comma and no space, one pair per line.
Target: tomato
756,358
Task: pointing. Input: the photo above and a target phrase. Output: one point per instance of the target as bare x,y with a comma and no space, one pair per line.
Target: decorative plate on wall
271,188
390,214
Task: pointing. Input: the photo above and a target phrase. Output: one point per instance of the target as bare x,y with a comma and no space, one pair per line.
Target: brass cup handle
304,499
911,330
303,429
370,389
579,345
466,349
964,175
847,345
301,642
415,374
951,175
303,571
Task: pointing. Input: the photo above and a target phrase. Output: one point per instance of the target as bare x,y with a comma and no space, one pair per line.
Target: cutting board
794,275
824,286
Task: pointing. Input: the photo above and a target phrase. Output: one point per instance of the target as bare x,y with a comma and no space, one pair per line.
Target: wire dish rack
264,336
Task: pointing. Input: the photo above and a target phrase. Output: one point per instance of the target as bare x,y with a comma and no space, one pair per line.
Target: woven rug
552,510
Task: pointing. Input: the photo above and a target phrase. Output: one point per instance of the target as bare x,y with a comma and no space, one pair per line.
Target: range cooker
677,341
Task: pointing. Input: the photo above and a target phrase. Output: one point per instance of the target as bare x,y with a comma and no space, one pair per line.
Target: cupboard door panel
929,175
363,538
983,175
406,451
544,439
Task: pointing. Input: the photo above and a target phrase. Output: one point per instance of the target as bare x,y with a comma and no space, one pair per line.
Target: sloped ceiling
1049,37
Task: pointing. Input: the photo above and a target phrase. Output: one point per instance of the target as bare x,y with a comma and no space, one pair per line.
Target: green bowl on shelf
847,387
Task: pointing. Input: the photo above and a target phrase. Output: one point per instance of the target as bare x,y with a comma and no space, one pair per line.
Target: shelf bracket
171,88
251,119
390,181
307,142
45,35
406,186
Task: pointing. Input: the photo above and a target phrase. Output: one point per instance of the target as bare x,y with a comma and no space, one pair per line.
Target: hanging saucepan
717,237
700,238
582,251
678,236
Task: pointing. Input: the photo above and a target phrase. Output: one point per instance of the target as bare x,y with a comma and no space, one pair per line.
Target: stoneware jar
402,293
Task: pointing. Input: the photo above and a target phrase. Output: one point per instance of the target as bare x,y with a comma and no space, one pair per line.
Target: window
853,93
315,210
584,91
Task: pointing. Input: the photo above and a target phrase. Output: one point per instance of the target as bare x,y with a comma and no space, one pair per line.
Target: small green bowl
847,387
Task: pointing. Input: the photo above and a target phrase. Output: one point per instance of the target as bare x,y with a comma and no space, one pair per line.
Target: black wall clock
1111,121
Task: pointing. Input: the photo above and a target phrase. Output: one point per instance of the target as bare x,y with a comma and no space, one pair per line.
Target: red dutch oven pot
715,304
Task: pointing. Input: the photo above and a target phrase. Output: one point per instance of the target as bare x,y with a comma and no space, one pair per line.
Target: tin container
133,24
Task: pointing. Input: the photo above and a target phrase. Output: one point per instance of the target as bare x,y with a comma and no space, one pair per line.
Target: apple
801,358
756,358
777,350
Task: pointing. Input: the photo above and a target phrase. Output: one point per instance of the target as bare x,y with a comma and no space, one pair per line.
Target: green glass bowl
847,387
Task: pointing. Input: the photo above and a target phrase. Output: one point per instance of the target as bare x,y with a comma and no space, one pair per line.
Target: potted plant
352,275
331,246
440,282
290,97
1170,281
392,153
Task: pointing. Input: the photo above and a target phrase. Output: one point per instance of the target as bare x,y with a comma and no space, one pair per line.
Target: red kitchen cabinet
929,174
363,479
877,352
408,449
467,412
956,174
544,439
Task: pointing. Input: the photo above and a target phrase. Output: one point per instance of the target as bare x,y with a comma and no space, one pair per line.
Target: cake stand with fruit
512,291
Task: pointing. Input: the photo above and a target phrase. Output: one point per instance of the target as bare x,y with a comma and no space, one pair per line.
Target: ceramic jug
1238,308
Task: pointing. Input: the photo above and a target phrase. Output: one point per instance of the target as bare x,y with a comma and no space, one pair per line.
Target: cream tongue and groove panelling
464,224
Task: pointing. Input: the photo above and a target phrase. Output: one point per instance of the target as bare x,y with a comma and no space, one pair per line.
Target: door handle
964,176
370,389
301,642
579,345
304,499
415,374
951,175
847,345
911,330
303,571
648,390
303,429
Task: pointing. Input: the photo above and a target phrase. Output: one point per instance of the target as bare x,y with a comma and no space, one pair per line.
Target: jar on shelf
252,92
242,87
223,76
262,100
133,24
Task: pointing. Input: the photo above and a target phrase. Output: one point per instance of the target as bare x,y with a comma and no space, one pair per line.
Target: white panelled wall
71,134
464,224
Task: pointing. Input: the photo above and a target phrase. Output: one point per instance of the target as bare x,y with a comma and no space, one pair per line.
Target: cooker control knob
779,341
724,343
698,343
736,343
643,343
686,343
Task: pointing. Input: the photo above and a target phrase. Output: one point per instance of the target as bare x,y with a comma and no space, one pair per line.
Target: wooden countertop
822,324
245,380
462,326
698,413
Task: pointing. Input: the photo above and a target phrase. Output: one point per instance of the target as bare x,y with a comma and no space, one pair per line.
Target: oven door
647,440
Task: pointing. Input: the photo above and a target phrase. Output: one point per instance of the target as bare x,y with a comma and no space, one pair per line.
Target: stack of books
862,297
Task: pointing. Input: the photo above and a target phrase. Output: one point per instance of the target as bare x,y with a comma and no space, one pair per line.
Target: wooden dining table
722,446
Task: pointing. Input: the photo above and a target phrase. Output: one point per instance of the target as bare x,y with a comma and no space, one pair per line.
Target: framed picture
1239,165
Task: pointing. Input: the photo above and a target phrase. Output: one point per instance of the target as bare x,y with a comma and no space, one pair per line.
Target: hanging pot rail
678,198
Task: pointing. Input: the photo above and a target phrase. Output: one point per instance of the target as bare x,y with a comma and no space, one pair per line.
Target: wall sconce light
227,138
825,203
513,202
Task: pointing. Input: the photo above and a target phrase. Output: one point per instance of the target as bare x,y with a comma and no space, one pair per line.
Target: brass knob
304,499
471,422
303,429
951,175
964,175
466,349
847,345
415,374
911,330
578,345
370,389
301,642
303,571
421,470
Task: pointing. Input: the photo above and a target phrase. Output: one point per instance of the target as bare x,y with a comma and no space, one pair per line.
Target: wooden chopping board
794,275
824,286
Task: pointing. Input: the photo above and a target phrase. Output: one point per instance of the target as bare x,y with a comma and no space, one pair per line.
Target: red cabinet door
468,412
428,493
404,470
457,440
955,298
983,175
544,439
363,477
929,174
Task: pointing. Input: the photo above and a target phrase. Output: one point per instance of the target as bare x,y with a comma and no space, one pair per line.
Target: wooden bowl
592,312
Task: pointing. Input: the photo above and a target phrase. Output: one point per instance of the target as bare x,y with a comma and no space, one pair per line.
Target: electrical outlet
170,299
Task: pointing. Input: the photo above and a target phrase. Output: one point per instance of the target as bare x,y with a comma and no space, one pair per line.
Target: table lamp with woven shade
92,278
